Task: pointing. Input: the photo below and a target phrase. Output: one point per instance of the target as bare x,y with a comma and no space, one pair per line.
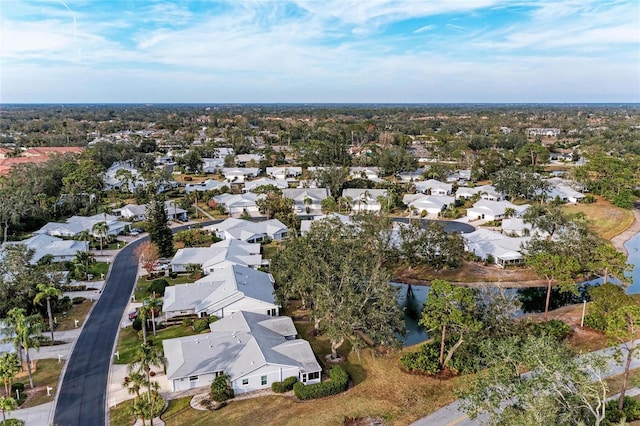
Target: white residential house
461,177
250,185
212,165
254,350
250,232
307,200
230,289
434,187
243,159
409,177
136,212
487,244
486,192
305,225
284,172
222,152
218,256
60,250
77,224
431,204
123,176
207,185
494,210
564,190
237,204
365,200
239,174
370,173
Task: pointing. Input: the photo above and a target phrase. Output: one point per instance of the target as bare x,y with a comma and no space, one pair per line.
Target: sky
319,51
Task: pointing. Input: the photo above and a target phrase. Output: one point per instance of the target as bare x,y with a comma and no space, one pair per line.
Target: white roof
433,184
238,200
244,230
497,208
432,202
485,242
207,185
76,224
359,193
299,194
43,244
232,251
238,344
252,184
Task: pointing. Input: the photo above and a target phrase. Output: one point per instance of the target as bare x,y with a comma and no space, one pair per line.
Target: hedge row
339,381
285,386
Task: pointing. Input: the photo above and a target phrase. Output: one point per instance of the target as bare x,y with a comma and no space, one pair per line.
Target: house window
304,377
245,382
218,374
263,380
193,378
314,375
272,312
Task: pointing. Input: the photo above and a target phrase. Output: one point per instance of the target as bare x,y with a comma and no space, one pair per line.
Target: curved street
82,393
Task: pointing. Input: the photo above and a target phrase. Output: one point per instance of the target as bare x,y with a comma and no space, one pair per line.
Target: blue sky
418,51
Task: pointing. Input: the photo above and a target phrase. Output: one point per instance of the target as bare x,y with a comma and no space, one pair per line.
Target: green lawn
141,291
129,340
120,415
97,269
47,374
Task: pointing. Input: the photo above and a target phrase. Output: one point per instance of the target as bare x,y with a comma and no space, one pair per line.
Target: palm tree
26,331
100,229
134,382
9,367
150,306
84,236
48,291
148,356
509,212
7,404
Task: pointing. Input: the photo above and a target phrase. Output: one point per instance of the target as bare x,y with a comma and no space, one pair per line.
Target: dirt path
619,240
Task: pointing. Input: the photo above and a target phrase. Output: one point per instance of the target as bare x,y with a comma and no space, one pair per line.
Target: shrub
78,300
187,178
158,286
173,275
339,381
423,213
66,288
221,388
630,411
200,325
212,319
554,328
595,321
285,386
137,324
423,361
17,386
187,322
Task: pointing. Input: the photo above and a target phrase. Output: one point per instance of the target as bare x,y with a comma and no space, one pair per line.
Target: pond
411,299
633,248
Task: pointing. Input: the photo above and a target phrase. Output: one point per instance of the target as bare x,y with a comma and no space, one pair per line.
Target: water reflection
633,248
411,299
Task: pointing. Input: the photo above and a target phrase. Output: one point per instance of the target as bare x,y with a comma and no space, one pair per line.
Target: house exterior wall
273,373
185,383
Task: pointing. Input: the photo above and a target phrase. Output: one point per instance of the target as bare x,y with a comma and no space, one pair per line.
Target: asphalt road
83,390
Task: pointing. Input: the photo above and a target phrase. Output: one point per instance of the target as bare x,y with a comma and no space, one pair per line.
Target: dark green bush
423,361
595,321
221,389
285,386
17,386
200,325
339,381
554,328
630,411
77,300
173,275
158,286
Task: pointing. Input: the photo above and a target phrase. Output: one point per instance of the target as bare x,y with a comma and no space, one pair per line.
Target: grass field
141,291
129,341
46,374
604,218
78,312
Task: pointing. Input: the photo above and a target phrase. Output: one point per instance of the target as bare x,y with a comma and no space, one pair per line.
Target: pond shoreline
621,239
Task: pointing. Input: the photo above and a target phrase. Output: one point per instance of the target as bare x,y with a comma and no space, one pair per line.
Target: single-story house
563,192
212,165
254,350
217,256
123,176
370,173
305,225
60,250
249,186
136,212
250,232
486,192
237,204
243,159
77,224
307,200
494,210
284,172
434,187
365,200
239,174
228,290
504,250
207,185
222,152
408,177
431,204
